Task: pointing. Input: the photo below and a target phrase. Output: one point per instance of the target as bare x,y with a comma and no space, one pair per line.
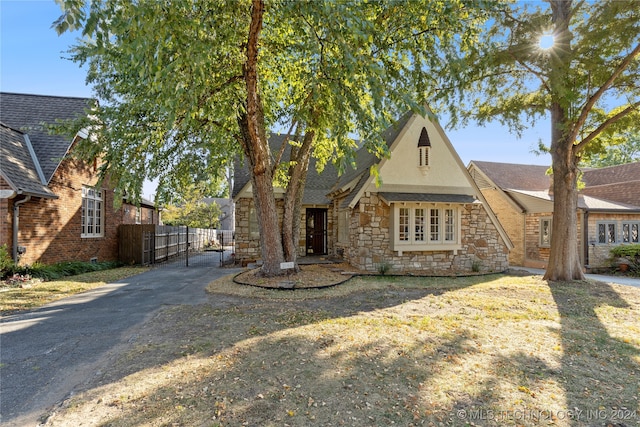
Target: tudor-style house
521,197
50,208
426,216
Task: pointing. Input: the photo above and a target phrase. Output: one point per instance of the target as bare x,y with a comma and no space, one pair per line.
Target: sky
33,60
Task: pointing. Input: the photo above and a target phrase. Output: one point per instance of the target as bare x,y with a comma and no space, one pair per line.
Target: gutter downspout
16,219
585,233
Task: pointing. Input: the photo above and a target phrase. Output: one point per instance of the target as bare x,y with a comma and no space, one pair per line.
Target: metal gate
175,246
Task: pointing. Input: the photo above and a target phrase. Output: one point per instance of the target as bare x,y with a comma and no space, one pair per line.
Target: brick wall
147,215
369,246
50,229
6,208
599,254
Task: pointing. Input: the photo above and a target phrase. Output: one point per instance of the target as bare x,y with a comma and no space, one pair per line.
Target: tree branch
598,94
578,147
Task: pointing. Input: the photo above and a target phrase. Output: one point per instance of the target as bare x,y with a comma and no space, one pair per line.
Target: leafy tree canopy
169,76
587,81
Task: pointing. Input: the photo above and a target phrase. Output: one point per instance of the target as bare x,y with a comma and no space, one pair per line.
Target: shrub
384,267
6,262
627,254
64,269
626,251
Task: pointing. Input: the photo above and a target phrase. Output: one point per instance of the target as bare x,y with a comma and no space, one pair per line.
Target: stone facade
482,248
247,238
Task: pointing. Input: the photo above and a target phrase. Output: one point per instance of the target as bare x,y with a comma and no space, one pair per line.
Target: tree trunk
564,258
293,196
256,148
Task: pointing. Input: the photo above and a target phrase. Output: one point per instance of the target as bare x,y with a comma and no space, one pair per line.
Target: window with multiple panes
606,232
618,232
630,232
425,226
545,232
92,212
403,225
138,215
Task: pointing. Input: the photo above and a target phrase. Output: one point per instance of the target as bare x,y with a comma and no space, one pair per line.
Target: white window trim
97,197
413,245
542,220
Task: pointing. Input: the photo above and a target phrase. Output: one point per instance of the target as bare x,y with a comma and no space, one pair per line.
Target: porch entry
316,231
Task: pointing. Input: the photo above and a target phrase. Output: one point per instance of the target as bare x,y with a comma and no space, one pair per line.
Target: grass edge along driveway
493,350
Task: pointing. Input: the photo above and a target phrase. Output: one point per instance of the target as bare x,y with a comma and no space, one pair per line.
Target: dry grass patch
490,351
37,293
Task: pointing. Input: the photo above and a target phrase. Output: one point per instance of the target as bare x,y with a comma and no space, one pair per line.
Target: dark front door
316,231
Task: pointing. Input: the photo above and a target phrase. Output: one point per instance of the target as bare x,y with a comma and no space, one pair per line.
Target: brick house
49,209
427,216
520,196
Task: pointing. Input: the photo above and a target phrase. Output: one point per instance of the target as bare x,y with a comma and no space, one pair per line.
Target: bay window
425,226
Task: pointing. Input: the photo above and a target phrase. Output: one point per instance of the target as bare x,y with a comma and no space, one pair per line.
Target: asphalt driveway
45,354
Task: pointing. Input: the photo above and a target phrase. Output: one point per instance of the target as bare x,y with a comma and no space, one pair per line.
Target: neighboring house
145,213
50,210
427,216
520,196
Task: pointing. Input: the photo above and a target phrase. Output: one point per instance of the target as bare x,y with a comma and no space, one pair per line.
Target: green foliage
6,262
587,83
63,269
170,78
628,255
196,214
509,78
631,251
384,267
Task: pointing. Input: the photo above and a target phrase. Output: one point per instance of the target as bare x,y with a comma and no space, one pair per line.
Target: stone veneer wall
248,248
369,243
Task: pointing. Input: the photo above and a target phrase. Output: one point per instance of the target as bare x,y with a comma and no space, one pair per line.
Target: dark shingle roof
612,174
27,113
317,185
365,159
619,184
516,177
18,166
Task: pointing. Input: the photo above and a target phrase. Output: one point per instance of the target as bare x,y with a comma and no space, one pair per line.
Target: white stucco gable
403,171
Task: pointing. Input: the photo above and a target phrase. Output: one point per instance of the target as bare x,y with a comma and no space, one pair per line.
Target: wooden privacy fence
151,244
